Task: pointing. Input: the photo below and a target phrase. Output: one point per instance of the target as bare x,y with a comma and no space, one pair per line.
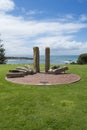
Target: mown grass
59,107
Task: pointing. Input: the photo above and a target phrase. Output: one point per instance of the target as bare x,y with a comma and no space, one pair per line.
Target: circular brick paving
46,79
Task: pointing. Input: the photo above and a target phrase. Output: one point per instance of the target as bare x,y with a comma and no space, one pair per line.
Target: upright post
47,59
36,59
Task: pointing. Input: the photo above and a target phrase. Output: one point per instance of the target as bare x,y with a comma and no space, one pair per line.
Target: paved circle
46,79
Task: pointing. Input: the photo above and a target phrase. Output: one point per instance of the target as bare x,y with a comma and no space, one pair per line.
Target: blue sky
59,24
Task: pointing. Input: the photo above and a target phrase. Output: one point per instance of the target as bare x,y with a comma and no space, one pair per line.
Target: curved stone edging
45,79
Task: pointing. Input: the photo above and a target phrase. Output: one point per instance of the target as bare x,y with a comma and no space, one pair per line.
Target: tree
2,54
82,59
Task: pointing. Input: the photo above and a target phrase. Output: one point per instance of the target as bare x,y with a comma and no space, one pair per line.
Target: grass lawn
59,107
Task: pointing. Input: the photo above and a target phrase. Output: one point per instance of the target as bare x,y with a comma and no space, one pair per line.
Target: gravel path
46,79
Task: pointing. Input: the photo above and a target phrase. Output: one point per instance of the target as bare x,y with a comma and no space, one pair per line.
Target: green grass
59,107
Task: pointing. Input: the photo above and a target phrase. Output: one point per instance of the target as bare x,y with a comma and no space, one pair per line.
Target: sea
54,59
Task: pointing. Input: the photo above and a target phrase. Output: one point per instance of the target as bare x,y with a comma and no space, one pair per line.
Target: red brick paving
46,79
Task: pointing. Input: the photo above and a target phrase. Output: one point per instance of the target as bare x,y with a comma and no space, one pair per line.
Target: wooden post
47,59
36,59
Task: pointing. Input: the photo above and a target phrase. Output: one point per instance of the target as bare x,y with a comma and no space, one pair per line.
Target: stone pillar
36,59
47,59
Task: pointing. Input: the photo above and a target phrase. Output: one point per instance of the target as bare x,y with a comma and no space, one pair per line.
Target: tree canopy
82,59
2,53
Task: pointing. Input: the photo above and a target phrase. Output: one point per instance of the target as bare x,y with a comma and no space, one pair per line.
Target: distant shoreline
56,59
18,58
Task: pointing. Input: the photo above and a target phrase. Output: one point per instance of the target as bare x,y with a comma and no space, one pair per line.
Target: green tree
82,59
2,54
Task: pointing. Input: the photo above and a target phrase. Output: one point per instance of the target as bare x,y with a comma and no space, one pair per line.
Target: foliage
73,62
2,54
58,107
82,59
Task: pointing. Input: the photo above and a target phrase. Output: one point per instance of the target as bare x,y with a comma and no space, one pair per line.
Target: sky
58,24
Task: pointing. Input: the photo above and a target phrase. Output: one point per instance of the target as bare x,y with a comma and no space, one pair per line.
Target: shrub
2,54
82,59
73,62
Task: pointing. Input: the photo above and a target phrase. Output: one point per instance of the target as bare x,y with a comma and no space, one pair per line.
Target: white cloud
6,5
20,35
52,41
83,18
63,44
33,12
18,26
17,49
66,17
